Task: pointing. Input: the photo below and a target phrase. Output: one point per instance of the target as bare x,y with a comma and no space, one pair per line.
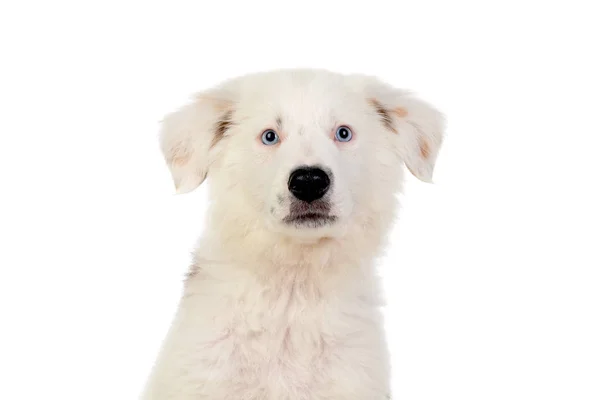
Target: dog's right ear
189,134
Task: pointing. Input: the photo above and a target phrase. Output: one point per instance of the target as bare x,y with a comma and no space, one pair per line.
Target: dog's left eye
269,137
343,134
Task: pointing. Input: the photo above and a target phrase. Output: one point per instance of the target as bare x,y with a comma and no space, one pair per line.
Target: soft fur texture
280,311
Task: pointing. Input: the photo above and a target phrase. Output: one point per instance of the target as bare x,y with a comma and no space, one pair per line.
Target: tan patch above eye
401,112
425,149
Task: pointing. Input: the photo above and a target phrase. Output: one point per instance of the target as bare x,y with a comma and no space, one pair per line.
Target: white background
493,274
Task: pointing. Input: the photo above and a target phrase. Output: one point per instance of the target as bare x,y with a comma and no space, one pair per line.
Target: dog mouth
311,219
309,215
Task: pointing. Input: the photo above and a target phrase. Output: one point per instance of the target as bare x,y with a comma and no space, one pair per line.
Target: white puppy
282,300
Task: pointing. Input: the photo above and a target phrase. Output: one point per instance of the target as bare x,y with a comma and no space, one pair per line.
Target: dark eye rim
348,128
264,132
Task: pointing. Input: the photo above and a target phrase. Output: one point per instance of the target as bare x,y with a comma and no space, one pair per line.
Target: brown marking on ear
424,148
401,112
180,154
383,115
222,126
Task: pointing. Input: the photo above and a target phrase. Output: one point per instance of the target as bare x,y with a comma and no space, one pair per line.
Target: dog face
304,153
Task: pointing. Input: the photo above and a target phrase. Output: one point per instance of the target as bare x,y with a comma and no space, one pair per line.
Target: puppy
281,301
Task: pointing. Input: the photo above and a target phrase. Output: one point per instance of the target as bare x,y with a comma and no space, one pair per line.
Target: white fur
269,310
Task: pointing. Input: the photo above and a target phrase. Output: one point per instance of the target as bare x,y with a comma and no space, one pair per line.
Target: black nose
308,183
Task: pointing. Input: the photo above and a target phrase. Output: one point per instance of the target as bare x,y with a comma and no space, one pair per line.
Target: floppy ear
418,127
188,135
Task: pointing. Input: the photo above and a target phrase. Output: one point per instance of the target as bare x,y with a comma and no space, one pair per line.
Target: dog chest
290,341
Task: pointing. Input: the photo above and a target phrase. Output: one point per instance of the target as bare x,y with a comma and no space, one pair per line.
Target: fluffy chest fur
294,337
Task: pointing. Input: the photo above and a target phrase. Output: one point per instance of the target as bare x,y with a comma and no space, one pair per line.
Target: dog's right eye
270,137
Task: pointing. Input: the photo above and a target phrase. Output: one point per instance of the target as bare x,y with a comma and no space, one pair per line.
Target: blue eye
343,134
269,137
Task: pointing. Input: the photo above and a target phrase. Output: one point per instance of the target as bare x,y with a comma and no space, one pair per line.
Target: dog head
302,153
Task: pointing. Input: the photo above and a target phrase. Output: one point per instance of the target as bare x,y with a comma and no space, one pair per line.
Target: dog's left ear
417,127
